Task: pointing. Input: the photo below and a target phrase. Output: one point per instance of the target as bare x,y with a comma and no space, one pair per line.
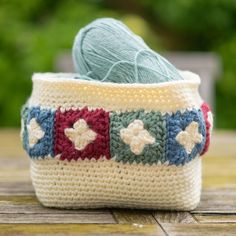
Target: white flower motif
189,137
35,132
136,136
81,135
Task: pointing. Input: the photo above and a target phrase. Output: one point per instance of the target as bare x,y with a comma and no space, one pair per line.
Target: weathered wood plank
10,144
16,188
215,218
30,204
124,216
18,200
223,144
38,209
200,229
219,171
217,201
15,163
95,218
174,217
79,229
14,175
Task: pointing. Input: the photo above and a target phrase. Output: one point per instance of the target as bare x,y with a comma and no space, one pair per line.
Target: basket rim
189,78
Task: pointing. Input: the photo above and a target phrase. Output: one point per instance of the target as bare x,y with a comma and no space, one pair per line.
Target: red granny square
205,110
82,134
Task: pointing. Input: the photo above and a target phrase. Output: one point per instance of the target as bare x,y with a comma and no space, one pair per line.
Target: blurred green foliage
33,33
200,24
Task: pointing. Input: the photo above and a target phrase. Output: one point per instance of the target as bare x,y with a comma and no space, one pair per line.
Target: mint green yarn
106,50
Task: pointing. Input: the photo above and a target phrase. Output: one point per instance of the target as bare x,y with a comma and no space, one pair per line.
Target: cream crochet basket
100,144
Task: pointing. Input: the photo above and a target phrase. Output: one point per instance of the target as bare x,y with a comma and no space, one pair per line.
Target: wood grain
200,229
219,171
79,229
134,216
217,201
215,218
10,144
14,175
174,217
30,204
60,218
16,188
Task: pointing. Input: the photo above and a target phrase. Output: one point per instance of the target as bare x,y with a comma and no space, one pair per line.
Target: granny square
37,131
23,133
209,125
137,136
82,134
186,135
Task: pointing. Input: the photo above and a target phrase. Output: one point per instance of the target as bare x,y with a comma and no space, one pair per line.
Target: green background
34,32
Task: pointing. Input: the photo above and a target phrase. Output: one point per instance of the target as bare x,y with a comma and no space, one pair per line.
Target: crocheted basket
100,144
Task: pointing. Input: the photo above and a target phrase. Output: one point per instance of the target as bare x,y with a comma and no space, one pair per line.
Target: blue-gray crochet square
175,123
24,114
153,122
45,118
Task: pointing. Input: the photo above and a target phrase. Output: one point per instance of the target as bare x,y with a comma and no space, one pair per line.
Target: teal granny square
138,136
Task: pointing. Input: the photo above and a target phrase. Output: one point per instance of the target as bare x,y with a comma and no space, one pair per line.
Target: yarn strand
107,50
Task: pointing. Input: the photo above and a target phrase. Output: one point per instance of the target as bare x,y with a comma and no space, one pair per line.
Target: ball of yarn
107,50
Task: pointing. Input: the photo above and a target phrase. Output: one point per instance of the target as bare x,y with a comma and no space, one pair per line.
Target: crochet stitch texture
45,120
155,126
95,144
96,120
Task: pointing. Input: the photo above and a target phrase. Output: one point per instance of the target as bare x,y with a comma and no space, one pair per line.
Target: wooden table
21,214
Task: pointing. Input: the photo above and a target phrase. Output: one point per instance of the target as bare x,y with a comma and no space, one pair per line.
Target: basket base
107,183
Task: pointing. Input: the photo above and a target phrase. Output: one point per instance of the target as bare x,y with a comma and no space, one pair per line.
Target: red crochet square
97,121
205,109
